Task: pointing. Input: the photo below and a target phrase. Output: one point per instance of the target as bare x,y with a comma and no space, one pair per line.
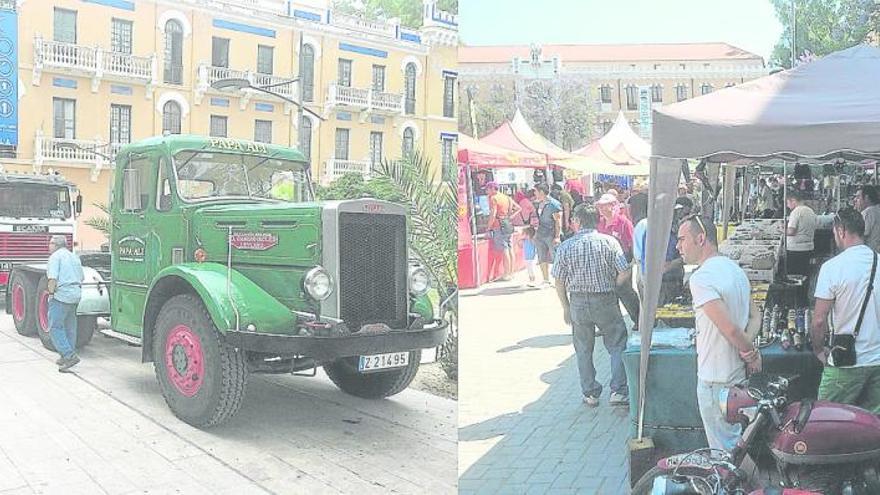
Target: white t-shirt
803,220
844,279
718,277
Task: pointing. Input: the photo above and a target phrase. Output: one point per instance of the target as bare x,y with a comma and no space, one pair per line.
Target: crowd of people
595,244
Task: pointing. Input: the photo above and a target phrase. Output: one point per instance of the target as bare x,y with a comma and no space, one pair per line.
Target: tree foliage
823,27
408,11
353,186
559,109
100,223
491,107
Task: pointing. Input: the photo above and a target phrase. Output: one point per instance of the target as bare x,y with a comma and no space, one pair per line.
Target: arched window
410,82
305,138
308,73
173,52
171,117
408,141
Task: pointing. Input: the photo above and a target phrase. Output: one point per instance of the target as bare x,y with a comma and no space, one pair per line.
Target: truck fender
208,280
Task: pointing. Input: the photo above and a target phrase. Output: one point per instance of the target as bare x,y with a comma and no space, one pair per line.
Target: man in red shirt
617,225
501,209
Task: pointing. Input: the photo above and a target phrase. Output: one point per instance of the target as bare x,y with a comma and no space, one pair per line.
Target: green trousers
859,386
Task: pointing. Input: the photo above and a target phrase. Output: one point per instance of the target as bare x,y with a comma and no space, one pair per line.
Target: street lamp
93,149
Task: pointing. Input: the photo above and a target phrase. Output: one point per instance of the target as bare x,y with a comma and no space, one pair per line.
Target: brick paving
523,427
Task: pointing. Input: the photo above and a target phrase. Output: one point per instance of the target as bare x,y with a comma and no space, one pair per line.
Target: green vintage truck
223,264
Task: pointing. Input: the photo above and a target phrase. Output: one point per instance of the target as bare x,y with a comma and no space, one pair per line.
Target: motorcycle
817,447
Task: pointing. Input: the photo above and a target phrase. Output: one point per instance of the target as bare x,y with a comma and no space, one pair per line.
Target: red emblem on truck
254,241
374,208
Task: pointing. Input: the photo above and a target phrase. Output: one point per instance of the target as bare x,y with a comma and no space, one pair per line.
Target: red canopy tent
473,250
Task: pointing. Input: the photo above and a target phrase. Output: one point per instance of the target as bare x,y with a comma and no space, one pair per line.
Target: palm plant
433,234
101,223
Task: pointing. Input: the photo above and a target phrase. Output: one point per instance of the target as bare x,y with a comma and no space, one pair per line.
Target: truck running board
121,336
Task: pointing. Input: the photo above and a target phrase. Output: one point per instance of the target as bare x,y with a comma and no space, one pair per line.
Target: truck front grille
15,245
372,270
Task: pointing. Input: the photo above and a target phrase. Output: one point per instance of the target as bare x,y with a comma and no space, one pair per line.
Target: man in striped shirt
587,268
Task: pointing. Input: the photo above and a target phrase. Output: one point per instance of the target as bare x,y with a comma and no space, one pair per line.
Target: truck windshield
203,175
24,200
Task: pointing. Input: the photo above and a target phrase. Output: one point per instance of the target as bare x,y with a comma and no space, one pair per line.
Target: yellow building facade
96,74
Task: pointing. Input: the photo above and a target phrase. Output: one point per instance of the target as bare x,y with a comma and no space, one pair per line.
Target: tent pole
472,216
784,220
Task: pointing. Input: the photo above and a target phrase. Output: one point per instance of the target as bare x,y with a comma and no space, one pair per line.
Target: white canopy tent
826,109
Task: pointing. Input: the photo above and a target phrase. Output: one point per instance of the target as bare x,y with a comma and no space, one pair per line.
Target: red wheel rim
18,302
184,360
43,312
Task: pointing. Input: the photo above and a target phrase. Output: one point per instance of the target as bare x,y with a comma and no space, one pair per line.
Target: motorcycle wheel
646,482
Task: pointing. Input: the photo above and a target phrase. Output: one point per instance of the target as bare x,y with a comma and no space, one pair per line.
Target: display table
491,266
672,417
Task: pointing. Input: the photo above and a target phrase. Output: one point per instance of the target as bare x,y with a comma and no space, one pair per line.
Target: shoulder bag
843,347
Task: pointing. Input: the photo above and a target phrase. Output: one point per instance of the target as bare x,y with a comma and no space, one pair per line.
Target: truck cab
223,264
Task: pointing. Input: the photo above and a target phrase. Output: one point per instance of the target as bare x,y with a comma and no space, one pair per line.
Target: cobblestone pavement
107,430
523,427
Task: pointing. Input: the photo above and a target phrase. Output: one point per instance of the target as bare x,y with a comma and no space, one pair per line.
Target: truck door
131,244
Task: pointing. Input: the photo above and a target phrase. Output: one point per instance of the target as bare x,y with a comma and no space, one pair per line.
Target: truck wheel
344,373
22,304
43,314
85,328
202,379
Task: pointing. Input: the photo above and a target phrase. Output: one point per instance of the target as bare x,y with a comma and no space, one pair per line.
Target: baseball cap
606,199
683,203
491,185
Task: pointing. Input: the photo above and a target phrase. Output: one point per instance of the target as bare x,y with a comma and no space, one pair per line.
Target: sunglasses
696,217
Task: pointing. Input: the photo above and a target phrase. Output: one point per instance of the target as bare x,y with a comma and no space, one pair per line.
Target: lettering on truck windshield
23,200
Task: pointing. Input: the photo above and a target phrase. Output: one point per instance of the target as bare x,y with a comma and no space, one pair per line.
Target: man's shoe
59,361
618,399
591,400
68,363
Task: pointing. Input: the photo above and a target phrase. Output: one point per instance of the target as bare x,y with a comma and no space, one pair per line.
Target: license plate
377,362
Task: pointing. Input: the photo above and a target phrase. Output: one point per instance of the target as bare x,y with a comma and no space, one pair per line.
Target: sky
747,24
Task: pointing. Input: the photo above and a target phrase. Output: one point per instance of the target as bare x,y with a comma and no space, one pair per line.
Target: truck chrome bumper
334,347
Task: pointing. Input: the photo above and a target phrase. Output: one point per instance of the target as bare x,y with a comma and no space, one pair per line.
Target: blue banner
8,78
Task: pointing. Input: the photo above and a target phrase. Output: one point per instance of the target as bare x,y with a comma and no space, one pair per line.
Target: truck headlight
318,284
419,283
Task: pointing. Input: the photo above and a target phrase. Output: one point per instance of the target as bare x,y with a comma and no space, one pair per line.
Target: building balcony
284,86
94,62
366,100
353,23
335,168
72,152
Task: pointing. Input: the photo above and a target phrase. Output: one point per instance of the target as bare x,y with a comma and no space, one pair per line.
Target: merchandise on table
756,245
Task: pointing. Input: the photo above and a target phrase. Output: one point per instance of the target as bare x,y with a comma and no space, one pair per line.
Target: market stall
822,110
618,156
480,163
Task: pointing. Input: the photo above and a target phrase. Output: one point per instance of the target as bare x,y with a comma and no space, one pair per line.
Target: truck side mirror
78,206
131,195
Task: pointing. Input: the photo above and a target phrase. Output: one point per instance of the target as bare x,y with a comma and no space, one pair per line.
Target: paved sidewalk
523,427
107,430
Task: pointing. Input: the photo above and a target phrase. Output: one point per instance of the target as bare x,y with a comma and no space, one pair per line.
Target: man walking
549,229
567,202
501,209
842,292
618,226
588,267
65,290
801,228
721,293
868,202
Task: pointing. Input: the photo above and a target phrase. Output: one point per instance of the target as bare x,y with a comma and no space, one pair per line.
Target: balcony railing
364,99
209,74
362,25
72,151
92,61
335,168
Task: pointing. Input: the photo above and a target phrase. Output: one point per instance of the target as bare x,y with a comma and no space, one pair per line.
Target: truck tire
85,325
85,329
377,385
22,303
202,379
42,313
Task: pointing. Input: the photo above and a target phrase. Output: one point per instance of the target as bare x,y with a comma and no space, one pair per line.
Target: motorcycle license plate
377,362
